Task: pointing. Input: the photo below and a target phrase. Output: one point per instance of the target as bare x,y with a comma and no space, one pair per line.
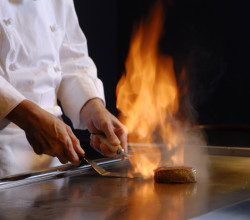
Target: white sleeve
79,75
9,99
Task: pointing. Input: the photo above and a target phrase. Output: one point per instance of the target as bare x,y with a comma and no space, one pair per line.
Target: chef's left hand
100,121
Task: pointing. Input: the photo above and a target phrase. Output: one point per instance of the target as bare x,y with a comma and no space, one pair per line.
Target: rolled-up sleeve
9,99
79,74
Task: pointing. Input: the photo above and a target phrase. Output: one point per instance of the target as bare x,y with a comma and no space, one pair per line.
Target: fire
148,99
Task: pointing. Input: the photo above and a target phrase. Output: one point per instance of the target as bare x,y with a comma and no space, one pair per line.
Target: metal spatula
104,172
115,149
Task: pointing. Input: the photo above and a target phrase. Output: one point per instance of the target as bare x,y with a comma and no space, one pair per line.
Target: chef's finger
105,151
41,147
111,136
95,142
46,149
91,140
122,135
62,158
61,148
75,142
70,152
35,145
37,149
72,156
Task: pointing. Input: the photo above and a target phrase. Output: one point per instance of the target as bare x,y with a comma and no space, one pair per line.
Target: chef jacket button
8,22
57,68
53,27
31,81
12,67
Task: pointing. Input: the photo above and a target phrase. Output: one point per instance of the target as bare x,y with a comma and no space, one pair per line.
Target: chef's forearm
46,133
90,106
24,113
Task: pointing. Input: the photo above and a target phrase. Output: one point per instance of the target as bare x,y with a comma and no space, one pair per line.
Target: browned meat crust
175,175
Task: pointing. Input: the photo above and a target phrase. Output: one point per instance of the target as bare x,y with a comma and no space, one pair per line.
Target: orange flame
148,99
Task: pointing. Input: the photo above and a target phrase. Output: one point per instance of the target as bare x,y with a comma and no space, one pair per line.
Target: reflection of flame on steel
148,100
149,200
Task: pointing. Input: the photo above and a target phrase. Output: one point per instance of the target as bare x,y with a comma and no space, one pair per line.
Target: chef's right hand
46,133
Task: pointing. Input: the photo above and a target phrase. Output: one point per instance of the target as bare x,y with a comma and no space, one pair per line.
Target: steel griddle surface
89,196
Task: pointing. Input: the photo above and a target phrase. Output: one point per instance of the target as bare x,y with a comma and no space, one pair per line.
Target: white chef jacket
43,57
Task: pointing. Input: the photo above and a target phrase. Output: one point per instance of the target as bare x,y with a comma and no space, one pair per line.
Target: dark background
211,38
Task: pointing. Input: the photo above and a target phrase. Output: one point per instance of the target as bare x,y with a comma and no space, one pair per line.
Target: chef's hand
46,133
100,121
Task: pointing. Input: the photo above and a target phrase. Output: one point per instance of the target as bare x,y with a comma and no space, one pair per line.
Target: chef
44,58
